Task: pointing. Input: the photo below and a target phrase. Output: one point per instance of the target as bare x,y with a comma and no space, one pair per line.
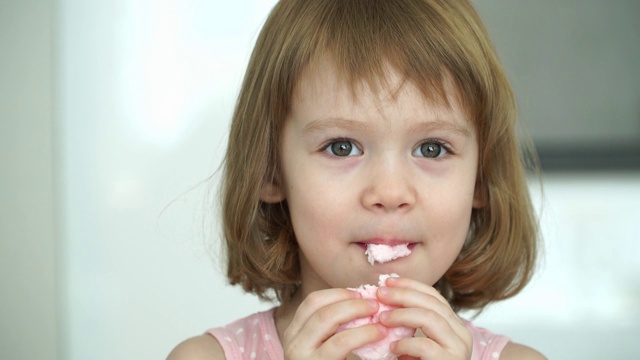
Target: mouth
391,243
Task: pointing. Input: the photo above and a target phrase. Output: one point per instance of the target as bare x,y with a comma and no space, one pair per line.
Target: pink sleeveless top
255,337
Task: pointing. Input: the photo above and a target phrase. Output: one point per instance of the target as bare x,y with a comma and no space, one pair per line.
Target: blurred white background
114,116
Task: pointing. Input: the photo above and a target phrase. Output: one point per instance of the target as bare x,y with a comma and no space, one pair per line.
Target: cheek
448,228
312,205
312,192
450,212
317,208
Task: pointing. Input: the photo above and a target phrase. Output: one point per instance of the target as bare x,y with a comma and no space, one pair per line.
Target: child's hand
312,332
422,307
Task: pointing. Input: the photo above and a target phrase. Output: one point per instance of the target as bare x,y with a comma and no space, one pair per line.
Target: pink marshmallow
382,253
378,350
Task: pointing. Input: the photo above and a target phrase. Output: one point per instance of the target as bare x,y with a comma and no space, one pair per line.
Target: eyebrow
439,124
324,124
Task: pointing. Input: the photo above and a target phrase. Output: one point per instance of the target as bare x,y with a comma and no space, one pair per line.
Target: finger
414,297
315,301
417,286
422,310
418,348
433,326
408,357
425,348
344,342
325,321
329,318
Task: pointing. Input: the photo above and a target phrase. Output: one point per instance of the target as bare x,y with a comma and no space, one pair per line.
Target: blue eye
343,148
430,149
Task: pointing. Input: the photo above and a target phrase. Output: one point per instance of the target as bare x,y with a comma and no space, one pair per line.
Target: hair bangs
365,39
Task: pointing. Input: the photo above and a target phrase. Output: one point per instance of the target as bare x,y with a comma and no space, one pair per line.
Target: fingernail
384,315
383,290
373,303
383,329
391,280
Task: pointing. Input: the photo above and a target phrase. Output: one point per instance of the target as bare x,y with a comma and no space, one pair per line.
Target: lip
390,242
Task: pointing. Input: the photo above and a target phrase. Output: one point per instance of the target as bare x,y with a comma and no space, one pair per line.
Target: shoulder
198,348
513,351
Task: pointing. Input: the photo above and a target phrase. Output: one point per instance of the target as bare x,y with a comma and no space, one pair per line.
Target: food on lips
382,253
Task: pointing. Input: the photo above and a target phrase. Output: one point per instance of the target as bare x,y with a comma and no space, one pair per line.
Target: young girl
370,122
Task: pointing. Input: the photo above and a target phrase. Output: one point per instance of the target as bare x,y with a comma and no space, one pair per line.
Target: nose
389,188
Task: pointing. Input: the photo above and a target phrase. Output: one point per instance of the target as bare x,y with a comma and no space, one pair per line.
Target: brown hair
428,42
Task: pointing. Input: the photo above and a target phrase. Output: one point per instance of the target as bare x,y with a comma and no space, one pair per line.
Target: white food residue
382,253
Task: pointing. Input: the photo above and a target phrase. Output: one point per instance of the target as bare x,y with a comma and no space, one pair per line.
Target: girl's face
376,168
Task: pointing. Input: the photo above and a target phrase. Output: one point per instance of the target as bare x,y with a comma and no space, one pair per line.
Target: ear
271,191
480,195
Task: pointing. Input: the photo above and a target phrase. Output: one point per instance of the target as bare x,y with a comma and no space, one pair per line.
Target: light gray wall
27,240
